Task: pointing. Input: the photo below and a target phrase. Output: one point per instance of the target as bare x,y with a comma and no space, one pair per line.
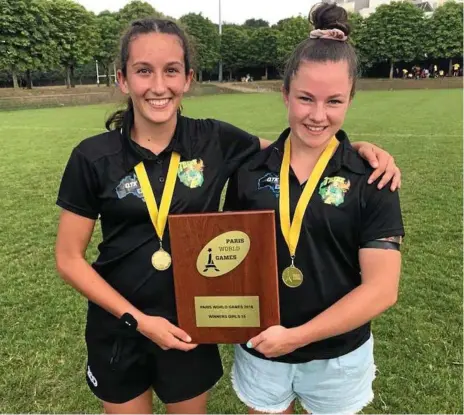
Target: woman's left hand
274,342
382,162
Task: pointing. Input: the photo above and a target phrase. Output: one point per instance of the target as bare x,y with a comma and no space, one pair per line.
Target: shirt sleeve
381,214
236,145
233,198
78,191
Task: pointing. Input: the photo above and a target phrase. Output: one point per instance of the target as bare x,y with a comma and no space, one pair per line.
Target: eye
172,71
335,102
144,71
305,99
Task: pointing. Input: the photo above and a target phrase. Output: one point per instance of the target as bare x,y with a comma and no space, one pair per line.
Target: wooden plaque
225,274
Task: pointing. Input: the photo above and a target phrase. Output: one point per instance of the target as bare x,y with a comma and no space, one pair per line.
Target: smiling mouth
159,103
315,129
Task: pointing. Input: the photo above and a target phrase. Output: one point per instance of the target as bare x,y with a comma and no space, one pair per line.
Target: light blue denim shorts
342,385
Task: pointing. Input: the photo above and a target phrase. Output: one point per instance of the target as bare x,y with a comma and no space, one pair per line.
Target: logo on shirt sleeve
270,181
190,173
333,190
129,186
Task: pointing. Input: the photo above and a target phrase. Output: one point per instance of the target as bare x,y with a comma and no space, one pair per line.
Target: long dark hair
324,16
140,27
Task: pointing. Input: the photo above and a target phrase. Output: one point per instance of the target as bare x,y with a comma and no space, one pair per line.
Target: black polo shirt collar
134,153
345,155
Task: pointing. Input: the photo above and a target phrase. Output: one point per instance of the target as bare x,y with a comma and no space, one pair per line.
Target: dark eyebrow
336,96
312,96
175,63
306,93
141,63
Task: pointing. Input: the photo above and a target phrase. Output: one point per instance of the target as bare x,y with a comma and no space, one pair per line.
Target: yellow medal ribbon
161,260
291,231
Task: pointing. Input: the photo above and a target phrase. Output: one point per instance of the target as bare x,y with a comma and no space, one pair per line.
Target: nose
159,84
318,113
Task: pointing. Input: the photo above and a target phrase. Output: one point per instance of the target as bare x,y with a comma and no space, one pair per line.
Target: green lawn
418,343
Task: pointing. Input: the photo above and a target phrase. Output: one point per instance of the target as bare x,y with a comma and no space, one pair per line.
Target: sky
233,11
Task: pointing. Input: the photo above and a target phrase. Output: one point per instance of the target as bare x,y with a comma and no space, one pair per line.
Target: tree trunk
28,79
266,74
200,76
15,79
450,68
68,77
108,75
230,75
73,81
392,65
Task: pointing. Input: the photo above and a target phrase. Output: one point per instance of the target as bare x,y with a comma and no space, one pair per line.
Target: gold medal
161,260
292,277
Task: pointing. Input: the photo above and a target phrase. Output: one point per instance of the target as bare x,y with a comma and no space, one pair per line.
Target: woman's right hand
164,334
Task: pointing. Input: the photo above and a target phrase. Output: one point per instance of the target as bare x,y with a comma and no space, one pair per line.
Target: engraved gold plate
227,311
161,260
292,277
223,254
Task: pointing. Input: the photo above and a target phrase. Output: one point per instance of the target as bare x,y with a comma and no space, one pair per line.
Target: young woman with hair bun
338,240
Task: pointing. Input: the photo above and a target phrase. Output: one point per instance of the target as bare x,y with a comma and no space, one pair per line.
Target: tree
356,22
291,32
255,23
204,37
263,47
357,38
136,9
394,32
109,33
76,34
280,24
234,44
445,32
25,41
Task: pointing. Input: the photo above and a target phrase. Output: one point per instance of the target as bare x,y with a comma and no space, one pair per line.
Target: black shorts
121,368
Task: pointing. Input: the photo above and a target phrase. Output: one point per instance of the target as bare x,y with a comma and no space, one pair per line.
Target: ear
350,101
122,82
189,81
284,95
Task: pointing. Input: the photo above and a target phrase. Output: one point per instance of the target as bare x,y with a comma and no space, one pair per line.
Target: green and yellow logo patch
190,173
333,190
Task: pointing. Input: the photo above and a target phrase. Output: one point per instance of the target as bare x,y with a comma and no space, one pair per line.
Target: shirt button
161,179
159,161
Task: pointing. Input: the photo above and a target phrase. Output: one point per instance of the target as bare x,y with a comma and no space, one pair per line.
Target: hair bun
329,16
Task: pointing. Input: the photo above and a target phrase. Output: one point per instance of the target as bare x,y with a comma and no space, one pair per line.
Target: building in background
367,7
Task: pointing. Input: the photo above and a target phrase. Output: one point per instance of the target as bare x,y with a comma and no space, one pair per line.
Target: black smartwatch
128,321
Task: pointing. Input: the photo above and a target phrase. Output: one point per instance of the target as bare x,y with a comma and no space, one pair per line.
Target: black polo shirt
99,182
344,212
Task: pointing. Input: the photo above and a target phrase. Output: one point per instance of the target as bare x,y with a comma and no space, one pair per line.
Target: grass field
418,343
